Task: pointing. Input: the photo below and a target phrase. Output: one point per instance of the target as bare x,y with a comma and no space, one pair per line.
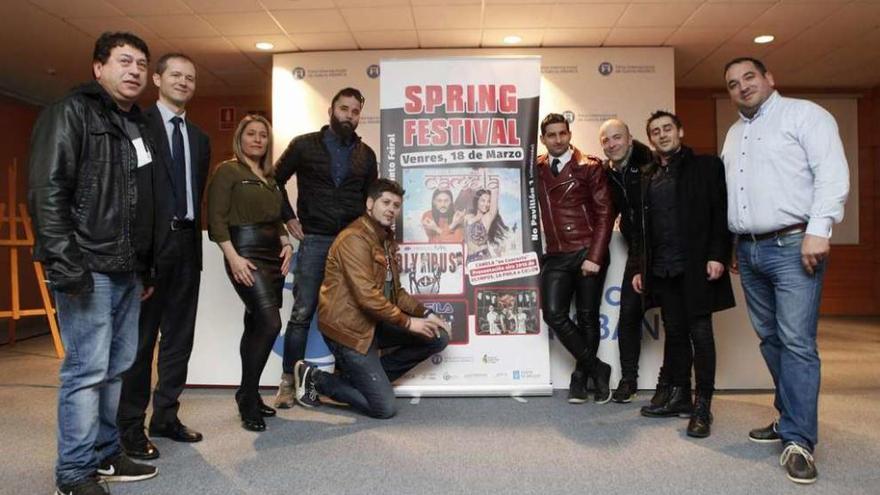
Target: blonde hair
265,164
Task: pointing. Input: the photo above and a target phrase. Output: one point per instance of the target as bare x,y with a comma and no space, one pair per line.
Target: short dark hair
108,41
554,118
352,92
660,114
162,63
384,185
738,60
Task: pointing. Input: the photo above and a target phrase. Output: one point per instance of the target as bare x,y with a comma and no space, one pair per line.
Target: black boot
601,376
679,404
249,410
661,394
700,425
577,388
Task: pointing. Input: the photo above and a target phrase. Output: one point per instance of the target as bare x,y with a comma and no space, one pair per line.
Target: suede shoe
577,388
136,445
176,431
767,434
121,468
88,486
304,384
626,391
284,399
799,464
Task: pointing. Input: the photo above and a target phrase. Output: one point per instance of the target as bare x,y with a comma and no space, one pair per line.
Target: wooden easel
9,238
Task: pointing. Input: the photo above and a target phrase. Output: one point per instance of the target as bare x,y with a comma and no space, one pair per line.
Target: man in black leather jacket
333,169
627,159
89,194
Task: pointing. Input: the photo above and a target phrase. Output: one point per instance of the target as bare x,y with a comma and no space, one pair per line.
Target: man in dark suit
683,249
184,153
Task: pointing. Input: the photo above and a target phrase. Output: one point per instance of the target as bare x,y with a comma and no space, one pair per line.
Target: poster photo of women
477,206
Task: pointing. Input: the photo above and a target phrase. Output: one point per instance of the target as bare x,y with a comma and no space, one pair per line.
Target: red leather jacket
576,208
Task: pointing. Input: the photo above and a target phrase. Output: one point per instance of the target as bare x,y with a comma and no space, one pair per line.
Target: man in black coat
627,160
684,247
183,157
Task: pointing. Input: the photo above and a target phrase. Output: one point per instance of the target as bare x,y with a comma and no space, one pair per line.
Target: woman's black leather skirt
260,243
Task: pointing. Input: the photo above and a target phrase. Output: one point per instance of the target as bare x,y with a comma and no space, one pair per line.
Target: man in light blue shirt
787,182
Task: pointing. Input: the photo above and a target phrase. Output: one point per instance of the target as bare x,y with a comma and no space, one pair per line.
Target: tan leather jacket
352,299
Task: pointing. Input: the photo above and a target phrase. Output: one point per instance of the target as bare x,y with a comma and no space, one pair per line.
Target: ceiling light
512,39
764,38
264,45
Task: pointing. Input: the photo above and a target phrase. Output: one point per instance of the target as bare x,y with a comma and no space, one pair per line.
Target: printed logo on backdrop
559,69
437,359
606,68
302,73
373,71
569,116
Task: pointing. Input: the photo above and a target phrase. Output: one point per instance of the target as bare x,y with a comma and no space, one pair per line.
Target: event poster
460,135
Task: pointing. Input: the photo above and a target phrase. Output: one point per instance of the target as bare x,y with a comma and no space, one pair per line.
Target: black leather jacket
625,189
322,207
83,190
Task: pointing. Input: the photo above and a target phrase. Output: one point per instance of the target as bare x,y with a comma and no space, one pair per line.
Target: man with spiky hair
89,193
577,218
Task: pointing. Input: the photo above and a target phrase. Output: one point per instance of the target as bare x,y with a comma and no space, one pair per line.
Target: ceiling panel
397,18
243,23
447,17
586,16
311,21
643,36
495,37
247,44
516,16
178,26
575,37
80,8
324,41
656,14
298,4
370,40
727,14
151,7
455,38
215,6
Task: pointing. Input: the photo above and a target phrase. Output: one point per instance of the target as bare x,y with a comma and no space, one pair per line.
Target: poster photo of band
507,311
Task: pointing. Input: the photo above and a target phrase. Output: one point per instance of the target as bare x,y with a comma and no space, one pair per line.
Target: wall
852,284
16,121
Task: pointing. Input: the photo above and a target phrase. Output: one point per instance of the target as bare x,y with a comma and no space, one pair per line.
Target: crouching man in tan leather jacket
362,308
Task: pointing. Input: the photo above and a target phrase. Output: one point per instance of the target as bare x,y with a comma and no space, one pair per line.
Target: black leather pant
261,245
561,279
689,338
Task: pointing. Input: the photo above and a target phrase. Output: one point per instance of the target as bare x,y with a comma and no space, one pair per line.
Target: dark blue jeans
100,335
783,301
308,273
364,381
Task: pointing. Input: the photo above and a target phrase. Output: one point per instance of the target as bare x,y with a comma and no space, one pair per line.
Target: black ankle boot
249,410
679,404
700,425
661,394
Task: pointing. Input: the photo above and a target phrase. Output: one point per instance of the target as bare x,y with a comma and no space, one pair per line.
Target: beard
345,130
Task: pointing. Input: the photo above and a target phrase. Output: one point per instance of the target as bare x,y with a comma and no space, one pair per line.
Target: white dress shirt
785,166
167,115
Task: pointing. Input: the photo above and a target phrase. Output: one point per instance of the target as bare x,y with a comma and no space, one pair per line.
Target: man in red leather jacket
577,217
